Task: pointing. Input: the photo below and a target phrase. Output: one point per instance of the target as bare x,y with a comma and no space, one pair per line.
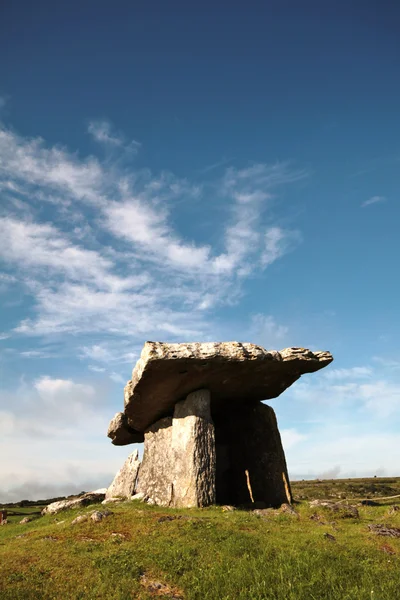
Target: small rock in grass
156,588
388,549
139,496
112,500
168,518
289,510
150,501
345,511
228,508
25,520
393,510
79,519
385,530
97,516
330,537
264,513
315,517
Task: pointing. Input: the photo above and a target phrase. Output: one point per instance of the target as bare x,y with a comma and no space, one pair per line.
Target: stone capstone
124,483
178,467
233,372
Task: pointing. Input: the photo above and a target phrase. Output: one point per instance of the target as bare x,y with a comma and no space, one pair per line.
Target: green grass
205,554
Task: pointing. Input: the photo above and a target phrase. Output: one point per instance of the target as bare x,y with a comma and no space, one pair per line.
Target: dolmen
208,437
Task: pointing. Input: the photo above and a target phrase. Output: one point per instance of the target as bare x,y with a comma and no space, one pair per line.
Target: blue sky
177,173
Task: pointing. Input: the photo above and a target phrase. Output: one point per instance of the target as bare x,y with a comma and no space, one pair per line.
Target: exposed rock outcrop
84,500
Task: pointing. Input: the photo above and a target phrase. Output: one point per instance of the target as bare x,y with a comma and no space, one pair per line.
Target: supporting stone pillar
178,467
251,465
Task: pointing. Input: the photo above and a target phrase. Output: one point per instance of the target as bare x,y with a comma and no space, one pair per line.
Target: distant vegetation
144,552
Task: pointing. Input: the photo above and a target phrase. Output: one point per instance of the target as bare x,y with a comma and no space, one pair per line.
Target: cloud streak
373,200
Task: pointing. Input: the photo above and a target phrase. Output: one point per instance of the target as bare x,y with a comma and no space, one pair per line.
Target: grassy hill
144,552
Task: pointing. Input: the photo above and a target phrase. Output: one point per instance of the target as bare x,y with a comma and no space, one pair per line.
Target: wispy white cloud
101,131
266,332
35,354
150,279
353,372
117,378
291,437
216,165
389,363
278,242
379,397
373,200
110,352
96,369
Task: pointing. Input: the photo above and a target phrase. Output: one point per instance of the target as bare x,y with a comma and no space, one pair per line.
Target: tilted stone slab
124,483
233,372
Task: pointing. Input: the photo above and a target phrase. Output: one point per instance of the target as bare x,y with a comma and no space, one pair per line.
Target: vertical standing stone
178,467
251,463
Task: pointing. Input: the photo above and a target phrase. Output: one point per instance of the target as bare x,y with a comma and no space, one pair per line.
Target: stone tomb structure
207,436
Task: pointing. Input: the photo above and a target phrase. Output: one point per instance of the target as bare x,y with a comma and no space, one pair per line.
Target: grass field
144,552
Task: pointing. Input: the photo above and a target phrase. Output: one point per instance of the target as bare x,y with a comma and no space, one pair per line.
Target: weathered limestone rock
123,485
120,432
84,500
178,467
251,465
232,372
